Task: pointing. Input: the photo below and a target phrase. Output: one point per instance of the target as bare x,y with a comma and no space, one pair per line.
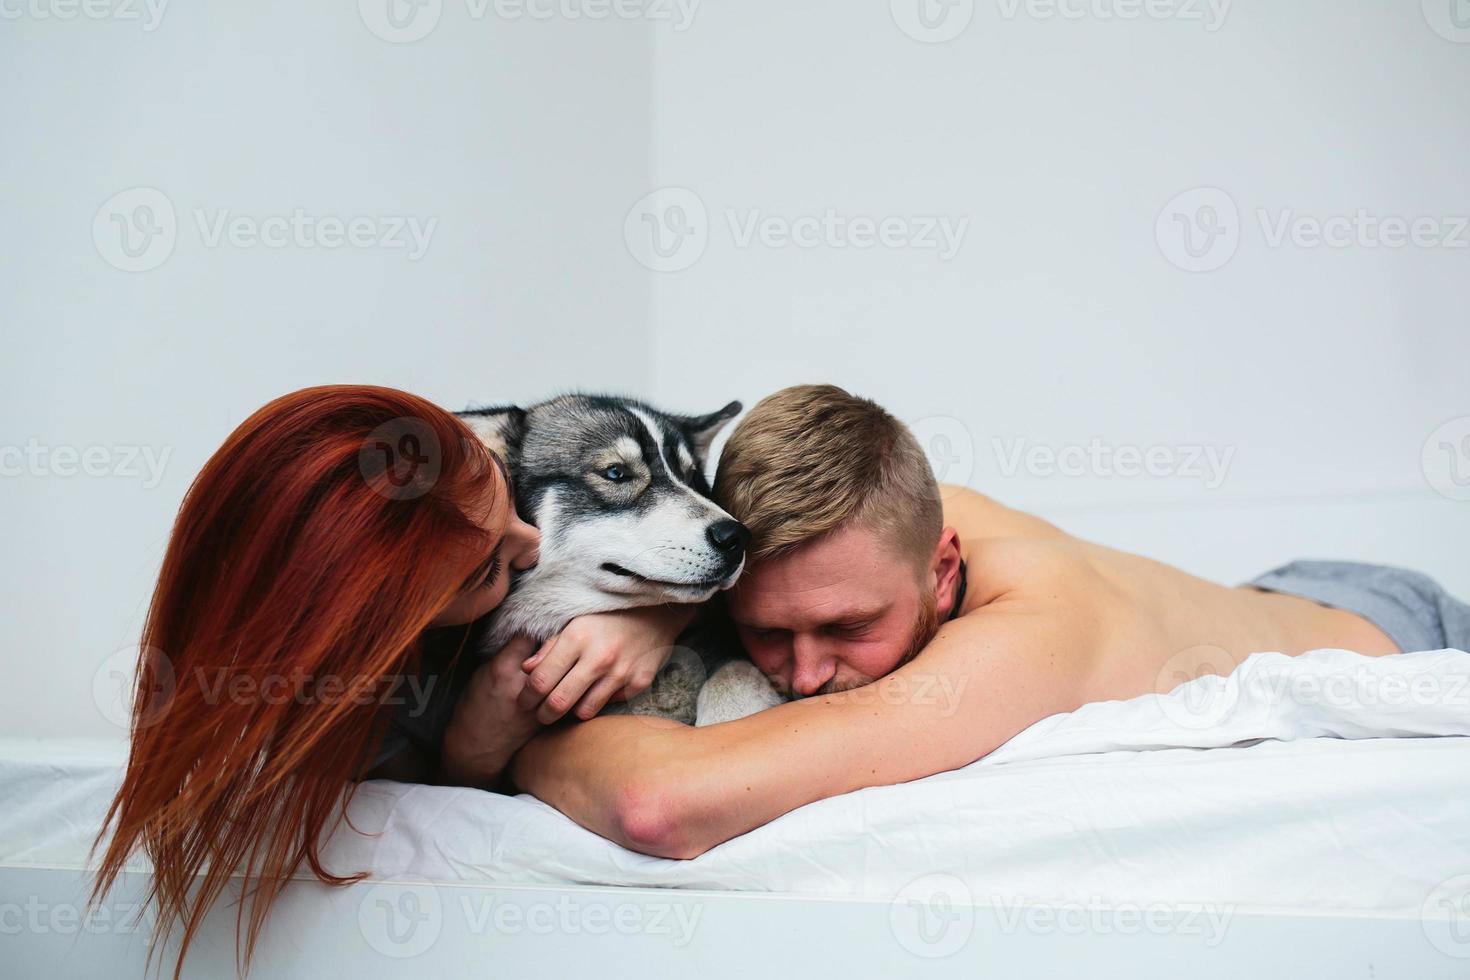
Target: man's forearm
595,773
662,788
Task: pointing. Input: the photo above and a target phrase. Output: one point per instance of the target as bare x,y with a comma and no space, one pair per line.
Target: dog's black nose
728,537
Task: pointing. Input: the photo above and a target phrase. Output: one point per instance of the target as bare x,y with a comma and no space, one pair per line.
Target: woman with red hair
335,530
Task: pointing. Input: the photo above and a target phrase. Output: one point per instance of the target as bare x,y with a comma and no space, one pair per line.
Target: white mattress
1329,781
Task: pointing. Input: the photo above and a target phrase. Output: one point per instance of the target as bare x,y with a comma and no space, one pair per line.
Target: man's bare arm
665,789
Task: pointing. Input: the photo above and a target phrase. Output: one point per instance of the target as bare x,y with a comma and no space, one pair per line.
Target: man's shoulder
1041,602
1017,556
1042,570
975,516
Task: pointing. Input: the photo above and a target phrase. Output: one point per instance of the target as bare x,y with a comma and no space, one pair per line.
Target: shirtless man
863,568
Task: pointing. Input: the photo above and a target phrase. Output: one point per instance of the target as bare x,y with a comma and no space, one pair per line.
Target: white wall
518,137
1060,320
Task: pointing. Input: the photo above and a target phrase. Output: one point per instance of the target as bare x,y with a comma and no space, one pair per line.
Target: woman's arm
602,657
514,696
666,789
488,724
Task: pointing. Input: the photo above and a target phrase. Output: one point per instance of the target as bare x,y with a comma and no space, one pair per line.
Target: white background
530,142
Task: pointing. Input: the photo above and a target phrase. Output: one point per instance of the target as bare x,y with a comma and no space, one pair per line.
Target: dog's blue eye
615,473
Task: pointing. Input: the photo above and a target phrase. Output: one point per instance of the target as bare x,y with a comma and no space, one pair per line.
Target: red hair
315,545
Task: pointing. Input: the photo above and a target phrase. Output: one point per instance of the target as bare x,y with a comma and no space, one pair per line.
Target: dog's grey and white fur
617,490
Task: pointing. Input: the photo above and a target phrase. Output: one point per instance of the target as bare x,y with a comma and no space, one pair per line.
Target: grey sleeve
421,709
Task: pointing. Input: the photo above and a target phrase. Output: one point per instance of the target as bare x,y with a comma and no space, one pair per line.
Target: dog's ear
702,429
500,428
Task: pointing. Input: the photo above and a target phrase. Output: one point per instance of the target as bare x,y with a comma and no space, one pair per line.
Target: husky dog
618,492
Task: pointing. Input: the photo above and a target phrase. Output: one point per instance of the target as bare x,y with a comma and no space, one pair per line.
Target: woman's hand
489,726
599,658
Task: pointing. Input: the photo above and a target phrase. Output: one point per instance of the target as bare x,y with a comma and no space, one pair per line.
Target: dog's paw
735,690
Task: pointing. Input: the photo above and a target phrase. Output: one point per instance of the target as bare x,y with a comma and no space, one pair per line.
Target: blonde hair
811,459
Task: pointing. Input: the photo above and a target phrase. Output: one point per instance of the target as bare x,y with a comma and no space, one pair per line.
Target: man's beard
926,624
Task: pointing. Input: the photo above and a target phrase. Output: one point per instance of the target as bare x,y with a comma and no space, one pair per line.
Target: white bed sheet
1328,781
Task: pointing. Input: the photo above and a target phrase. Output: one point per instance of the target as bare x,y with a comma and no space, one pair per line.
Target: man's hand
489,725
599,658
